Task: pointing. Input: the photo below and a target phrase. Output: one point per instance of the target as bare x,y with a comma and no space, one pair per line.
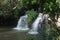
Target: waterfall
34,29
22,24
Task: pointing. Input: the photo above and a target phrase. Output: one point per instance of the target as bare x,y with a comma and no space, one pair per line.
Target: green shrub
31,14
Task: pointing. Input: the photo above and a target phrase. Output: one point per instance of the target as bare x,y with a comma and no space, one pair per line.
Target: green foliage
33,1
31,14
6,6
19,4
24,3
53,35
58,1
50,6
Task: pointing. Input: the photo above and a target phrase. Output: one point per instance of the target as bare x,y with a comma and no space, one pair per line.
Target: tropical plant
31,15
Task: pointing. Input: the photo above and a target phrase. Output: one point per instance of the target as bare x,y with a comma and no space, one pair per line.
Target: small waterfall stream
22,24
34,29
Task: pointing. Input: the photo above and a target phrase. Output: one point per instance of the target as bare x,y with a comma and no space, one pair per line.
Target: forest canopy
13,9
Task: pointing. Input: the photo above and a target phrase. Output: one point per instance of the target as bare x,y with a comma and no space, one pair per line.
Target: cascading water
22,24
34,29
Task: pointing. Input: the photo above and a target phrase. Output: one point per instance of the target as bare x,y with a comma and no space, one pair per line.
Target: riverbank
10,34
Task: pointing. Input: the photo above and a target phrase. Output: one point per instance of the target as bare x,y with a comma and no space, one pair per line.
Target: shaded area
17,35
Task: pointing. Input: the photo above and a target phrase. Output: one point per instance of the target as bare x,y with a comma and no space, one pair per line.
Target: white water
34,29
22,24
